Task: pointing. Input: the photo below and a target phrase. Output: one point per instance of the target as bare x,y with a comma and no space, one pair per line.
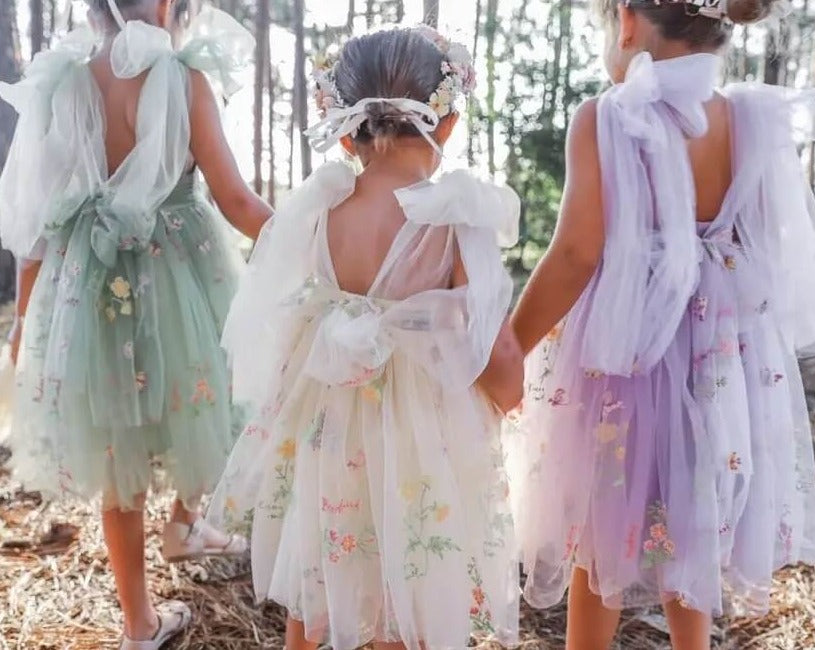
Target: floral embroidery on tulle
571,543
729,262
155,249
734,462
338,544
120,302
420,513
357,462
314,434
699,308
658,548
141,381
127,351
559,398
236,523
606,431
480,614
340,507
771,378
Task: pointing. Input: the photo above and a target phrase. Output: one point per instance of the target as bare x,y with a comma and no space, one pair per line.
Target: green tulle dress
121,369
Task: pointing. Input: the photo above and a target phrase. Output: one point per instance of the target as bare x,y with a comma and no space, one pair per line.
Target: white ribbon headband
340,122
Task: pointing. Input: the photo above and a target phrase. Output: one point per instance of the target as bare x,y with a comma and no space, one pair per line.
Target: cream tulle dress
371,479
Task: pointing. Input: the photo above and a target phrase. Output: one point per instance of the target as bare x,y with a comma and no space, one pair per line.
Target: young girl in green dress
126,277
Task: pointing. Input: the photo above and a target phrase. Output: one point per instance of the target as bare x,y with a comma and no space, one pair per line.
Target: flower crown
459,76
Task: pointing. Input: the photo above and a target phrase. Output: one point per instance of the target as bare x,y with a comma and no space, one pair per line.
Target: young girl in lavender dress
667,455
371,478
119,359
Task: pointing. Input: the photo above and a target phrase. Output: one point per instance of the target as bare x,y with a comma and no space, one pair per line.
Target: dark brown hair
677,21
134,9
394,63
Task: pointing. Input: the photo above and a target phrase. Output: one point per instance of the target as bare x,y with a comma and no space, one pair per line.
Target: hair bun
385,122
744,12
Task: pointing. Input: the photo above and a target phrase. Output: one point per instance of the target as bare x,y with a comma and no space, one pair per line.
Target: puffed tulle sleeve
57,156
255,336
770,124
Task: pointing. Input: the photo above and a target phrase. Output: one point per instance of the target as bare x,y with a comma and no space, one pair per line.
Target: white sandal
183,542
173,618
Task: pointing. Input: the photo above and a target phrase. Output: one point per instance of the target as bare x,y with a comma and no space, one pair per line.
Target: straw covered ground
56,592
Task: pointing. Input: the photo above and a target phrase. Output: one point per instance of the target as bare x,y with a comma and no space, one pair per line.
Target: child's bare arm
577,247
503,378
242,207
27,272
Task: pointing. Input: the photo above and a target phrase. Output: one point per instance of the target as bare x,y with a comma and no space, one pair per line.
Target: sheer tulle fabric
669,452
371,478
133,264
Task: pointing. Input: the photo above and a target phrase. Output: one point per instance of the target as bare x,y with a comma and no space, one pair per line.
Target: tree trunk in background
400,10
271,84
565,7
775,56
9,72
472,110
262,43
491,30
431,12
352,14
37,26
300,85
369,13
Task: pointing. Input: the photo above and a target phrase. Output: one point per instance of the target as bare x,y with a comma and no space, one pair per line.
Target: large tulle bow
650,265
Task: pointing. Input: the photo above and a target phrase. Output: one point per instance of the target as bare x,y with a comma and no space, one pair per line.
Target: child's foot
183,541
173,618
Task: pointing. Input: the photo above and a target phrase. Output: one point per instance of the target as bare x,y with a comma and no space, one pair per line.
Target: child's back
372,478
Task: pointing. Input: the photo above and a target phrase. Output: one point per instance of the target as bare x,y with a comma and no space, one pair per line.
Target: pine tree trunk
9,72
431,12
369,13
271,83
491,30
262,40
300,85
37,27
400,11
352,14
472,112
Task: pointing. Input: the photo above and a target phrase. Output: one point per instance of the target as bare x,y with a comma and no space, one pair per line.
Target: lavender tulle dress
665,445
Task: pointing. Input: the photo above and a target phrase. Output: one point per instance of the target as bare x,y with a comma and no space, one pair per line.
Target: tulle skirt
692,481
121,367
377,510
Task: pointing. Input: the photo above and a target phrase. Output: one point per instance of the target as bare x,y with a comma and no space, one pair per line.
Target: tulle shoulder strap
57,155
220,47
485,218
458,198
650,262
281,263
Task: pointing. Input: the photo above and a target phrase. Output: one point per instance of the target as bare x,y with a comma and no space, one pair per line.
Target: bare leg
296,636
591,625
690,629
124,536
180,514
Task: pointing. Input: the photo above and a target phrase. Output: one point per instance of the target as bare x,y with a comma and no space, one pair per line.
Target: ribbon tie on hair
340,122
651,88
